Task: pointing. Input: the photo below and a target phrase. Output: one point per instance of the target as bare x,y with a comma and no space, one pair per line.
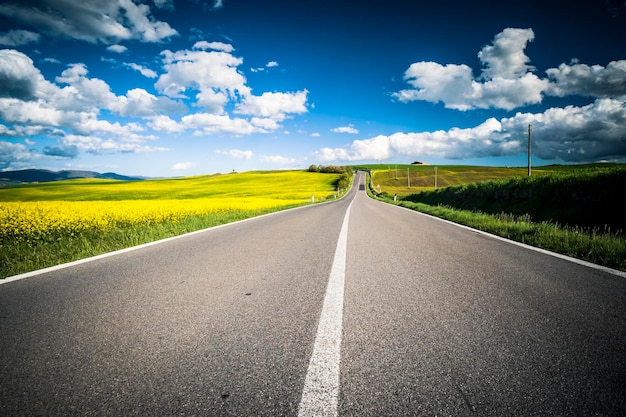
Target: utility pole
529,153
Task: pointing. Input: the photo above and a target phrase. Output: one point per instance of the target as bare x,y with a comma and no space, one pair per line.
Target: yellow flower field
43,220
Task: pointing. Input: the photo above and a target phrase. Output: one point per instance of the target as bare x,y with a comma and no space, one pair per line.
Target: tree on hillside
343,182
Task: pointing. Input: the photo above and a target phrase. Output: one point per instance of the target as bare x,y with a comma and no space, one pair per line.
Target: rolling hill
43,175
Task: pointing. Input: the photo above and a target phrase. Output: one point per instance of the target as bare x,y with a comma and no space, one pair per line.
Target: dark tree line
329,169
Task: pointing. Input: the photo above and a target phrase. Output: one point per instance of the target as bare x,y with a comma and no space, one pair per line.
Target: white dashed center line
321,386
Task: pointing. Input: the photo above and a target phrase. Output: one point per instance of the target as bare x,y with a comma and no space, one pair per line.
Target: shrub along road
436,320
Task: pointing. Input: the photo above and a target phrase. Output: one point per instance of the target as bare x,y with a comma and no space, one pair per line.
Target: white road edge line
320,395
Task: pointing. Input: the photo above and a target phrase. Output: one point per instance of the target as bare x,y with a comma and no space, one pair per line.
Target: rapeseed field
46,220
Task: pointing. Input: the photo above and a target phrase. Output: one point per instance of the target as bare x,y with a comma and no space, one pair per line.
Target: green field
409,179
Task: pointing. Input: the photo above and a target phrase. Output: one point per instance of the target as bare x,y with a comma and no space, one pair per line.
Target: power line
529,153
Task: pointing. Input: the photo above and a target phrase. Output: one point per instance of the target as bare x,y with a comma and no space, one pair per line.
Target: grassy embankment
572,210
48,224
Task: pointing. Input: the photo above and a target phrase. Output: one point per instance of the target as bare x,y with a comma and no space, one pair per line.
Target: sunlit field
277,185
409,179
49,223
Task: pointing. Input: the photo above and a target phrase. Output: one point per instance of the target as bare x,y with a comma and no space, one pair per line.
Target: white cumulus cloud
98,145
212,75
164,123
118,49
506,81
589,80
345,129
70,108
278,159
181,166
18,37
14,155
18,76
575,133
505,57
274,105
211,124
217,46
146,72
572,134
236,153
76,103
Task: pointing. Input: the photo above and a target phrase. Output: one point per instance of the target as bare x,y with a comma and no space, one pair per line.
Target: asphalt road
427,318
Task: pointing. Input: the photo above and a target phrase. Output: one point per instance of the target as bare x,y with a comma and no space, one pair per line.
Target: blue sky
186,87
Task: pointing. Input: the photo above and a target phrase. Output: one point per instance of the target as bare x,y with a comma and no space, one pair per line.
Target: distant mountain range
43,175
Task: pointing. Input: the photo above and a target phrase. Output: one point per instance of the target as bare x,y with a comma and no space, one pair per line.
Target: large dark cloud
18,77
70,151
89,20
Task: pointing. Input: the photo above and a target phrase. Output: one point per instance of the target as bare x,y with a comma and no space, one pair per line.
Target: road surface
348,308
